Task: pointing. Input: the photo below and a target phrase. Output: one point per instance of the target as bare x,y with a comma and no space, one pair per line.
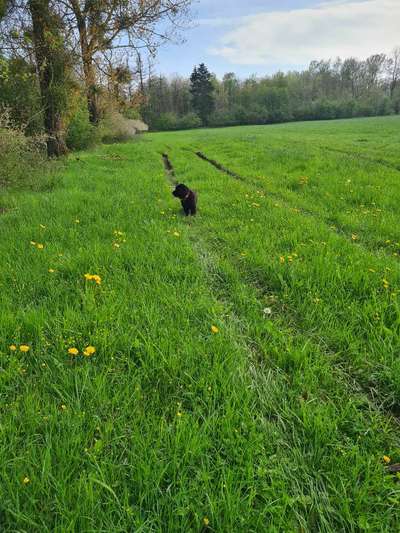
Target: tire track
301,210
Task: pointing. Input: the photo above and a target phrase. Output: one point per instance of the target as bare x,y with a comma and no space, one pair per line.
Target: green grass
277,422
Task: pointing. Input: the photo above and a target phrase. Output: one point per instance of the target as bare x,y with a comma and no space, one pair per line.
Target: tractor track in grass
169,169
287,203
376,401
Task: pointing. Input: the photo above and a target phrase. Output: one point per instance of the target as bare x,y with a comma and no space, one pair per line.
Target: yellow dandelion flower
13,347
116,245
26,480
24,348
40,246
88,277
51,270
77,221
214,329
387,459
354,237
206,521
96,278
63,407
179,414
281,259
176,234
73,351
89,350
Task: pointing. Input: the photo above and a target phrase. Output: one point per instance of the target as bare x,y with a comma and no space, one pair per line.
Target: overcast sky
263,36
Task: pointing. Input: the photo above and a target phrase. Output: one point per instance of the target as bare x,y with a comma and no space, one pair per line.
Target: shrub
188,122
165,122
80,133
114,127
23,159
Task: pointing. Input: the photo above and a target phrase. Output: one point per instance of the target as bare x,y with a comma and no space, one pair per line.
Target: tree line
325,90
78,70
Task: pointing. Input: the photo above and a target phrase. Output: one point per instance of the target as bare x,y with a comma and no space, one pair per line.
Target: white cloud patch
340,28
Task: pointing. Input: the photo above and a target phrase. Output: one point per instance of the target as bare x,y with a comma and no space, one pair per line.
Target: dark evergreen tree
202,91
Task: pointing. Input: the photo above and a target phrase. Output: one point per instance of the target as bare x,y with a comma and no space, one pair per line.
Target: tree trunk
91,96
51,73
88,66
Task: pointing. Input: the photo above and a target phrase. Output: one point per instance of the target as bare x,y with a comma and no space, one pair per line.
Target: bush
165,122
116,128
23,159
189,122
80,133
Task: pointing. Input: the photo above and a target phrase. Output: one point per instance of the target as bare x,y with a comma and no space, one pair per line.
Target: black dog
187,197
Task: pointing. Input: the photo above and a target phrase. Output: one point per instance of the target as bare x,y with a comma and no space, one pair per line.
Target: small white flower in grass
267,311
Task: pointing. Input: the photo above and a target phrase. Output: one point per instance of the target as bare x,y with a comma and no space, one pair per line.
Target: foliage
81,133
115,127
202,91
326,90
22,158
20,94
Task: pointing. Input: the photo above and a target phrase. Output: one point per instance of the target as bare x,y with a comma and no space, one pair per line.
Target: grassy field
239,371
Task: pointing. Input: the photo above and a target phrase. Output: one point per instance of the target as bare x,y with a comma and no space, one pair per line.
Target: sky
263,36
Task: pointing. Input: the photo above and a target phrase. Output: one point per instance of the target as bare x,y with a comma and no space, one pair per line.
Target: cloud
338,28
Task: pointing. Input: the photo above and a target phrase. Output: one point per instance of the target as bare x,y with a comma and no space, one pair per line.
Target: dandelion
214,329
73,351
354,237
267,311
77,221
40,246
63,407
206,521
89,350
281,259
179,414
387,459
24,348
93,277
26,480
51,270
176,234
13,347
116,245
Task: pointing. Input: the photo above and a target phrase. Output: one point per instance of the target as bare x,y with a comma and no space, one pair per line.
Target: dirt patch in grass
169,169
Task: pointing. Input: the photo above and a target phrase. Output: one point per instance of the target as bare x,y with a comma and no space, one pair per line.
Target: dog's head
181,191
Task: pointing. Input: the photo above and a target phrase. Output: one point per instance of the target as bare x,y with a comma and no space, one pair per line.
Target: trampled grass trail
246,366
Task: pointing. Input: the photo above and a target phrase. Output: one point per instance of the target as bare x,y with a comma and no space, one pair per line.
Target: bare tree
393,70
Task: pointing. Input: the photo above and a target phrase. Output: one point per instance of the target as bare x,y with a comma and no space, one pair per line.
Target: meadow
236,371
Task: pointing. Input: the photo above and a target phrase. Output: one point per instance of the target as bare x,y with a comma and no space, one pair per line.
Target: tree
51,67
393,70
202,91
123,25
